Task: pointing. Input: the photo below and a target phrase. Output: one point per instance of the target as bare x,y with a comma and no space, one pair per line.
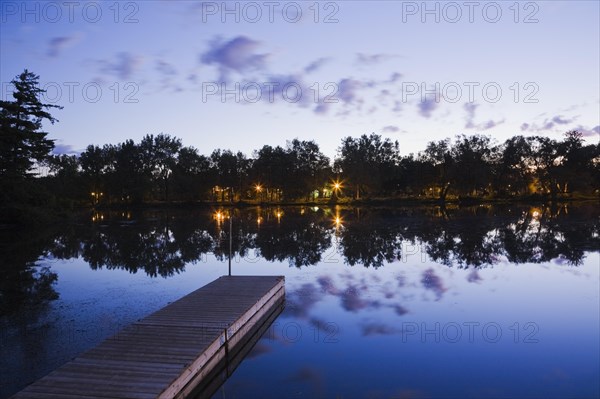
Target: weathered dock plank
176,351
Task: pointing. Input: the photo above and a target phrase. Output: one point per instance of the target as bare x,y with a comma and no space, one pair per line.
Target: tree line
161,168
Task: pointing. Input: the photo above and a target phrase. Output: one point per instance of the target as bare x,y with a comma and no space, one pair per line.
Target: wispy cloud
555,122
57,45
426,107
390,129
235,55
589,132
316,65
370,59
471,109
123,67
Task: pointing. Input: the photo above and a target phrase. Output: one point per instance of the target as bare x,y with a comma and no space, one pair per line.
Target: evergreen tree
22,141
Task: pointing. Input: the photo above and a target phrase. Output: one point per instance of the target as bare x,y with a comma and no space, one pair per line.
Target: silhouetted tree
366,162
438,158
22,141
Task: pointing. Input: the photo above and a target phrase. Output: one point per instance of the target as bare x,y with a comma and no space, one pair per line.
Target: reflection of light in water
219,216
259,220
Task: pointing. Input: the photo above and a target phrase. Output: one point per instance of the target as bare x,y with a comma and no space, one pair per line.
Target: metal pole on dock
230,238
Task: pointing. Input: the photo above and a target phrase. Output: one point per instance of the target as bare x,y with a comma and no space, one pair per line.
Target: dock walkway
172,351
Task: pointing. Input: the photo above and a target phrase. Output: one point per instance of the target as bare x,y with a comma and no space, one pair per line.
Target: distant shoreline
392,202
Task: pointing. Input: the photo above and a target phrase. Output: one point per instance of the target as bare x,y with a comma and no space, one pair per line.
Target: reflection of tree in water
300,239
465,237
25,286
370,238
542,234
161,243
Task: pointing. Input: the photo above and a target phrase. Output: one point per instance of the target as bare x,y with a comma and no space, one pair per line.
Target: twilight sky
239,75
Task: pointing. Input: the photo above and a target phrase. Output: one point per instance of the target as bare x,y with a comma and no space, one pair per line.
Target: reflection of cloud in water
308,375
557,374
400,310
327,285
474,277
352,300
353,297
433,282
401,280
402,393
321,325
258,350
372,329
409,394
299,302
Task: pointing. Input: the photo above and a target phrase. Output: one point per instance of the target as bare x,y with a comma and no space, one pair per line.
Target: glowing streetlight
336,186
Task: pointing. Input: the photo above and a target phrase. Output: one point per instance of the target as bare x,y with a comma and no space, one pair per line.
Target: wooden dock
185,349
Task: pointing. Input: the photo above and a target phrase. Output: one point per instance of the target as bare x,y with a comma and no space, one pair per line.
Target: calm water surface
482,301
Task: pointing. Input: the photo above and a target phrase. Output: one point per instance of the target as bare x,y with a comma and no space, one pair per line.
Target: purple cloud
57,44
236,55
547,124
316,65
123,67
396,76
559,120
348,90
470,109
593,132
427,106
165,68
370,59
390,129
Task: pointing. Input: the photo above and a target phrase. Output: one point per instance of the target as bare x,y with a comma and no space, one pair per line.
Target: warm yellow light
258,188
93,193
278,214
259,220
338,220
